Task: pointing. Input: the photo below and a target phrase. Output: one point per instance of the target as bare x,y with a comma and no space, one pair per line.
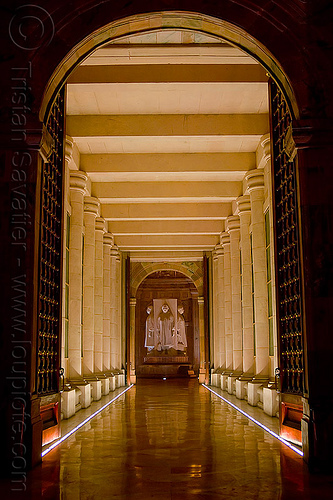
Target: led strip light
56,443
256,422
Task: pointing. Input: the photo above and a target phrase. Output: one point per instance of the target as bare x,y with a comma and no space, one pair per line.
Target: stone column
78,182
216,333
132,373
202,368
255,184
98,295
247,309
244,207
107,244
91,210
118,311
114,256
220,304
233,226
219,340
225,242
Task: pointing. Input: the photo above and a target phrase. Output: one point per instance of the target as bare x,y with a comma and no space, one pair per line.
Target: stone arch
143,23
141,270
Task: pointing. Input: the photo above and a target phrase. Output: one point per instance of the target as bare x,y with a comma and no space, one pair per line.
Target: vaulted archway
266,29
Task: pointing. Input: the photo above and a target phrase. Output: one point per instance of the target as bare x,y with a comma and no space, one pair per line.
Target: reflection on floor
255,413
174,440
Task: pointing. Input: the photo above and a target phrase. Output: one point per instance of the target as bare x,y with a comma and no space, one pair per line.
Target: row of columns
241,340
94,338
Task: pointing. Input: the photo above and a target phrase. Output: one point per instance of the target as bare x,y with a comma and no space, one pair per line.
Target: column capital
218,252
225,238
244,204
78,181
132,301
69,143
91,205
201,300
115,251
233,223
263,154
100,224
255,180
108,239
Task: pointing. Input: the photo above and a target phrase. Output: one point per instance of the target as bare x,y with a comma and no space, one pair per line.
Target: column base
216,379
231,384
105,386
241,388
68,402
224,381
202,376
96,392
132,377
253,396
85,388
271,401
112,383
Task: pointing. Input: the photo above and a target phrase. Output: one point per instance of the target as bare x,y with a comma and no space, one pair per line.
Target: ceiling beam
175,191
172,162
148,73
166,125
166,211
166,241
184,227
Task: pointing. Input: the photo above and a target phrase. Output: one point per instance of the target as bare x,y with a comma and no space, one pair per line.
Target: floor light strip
256,422
56,443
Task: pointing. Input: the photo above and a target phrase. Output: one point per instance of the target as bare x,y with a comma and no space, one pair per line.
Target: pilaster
233,228
244,207
132,369
225,242
202,367
98,295
219,306
107,244
255,185
78,182
91,210
220,303
114,300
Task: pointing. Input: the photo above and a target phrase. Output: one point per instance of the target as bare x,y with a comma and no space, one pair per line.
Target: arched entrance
232,354
261,24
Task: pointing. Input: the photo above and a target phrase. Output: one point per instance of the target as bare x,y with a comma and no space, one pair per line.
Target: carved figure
166,334
150,329
181,334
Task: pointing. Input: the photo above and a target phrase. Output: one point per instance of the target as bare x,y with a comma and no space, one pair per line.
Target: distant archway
141,270
167,343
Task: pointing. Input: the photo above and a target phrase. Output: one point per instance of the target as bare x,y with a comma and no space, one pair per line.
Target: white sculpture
150,329
181,334
166,334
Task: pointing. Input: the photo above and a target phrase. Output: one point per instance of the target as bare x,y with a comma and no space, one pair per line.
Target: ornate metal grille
287,246
50,255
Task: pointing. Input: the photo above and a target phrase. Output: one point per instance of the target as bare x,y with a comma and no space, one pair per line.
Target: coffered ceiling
166,125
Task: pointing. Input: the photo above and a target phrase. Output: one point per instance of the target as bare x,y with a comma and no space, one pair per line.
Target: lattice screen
287,241
50,255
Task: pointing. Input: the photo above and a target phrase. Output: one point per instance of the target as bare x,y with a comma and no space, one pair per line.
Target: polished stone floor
173,440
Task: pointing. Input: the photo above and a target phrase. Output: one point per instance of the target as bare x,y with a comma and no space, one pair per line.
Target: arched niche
167,344
140,271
